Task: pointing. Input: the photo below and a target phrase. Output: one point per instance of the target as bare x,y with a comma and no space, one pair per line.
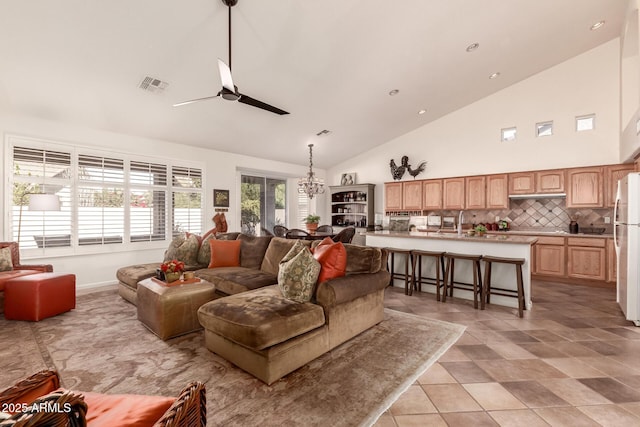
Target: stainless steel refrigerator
626,236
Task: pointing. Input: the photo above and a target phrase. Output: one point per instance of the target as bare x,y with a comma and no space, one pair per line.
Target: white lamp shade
44,202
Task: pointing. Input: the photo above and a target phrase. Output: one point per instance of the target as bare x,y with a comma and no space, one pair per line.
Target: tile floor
573,360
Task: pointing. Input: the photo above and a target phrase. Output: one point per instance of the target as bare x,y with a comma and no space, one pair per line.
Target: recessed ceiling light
494,76
393,92
597,25
473,47
422,111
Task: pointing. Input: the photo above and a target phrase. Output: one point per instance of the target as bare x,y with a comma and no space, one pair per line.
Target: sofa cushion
105,410
261,318
183,249
252,250
233,280
133,274
278,248
224,253
5,259
364,259
298,273
332,257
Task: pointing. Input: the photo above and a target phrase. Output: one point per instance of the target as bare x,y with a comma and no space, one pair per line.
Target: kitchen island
499,245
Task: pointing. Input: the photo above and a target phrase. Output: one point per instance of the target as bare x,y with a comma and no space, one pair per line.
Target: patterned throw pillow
298,273
204,253
183,249
6,264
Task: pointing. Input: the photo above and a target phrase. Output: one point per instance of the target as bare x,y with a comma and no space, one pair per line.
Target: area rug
102,347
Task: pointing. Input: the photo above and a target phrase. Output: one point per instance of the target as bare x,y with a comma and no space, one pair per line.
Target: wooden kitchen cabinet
585,187
412,195
550,181
497,192
432,194
586,258
476,193
453,193
522,183
393,196
612,174
549,255
612,262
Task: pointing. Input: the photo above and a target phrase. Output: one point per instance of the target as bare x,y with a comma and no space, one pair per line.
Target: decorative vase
312,227
172,277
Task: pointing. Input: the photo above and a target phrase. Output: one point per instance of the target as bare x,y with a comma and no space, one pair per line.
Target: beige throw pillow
183,249
298,273
6,263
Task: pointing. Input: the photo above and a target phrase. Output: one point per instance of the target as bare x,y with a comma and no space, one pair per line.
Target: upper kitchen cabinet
585,187
393,196
522,183
412,195
551,181
612,174
476,193
497,196
432,194
453,193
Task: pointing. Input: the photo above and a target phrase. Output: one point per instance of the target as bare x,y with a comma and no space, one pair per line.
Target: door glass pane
263,204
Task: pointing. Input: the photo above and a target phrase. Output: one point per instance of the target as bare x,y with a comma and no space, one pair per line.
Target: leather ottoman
169,311
38,296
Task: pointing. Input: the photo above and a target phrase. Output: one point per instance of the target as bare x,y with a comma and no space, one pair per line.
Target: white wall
630,83
220,170
467,141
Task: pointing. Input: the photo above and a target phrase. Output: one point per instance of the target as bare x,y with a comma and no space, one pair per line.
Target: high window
105,198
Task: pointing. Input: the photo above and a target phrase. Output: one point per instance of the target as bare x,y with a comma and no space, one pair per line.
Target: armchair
42,388
15,258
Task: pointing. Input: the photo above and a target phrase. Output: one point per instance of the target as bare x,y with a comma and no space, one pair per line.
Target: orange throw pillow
332,257
125,409
224,253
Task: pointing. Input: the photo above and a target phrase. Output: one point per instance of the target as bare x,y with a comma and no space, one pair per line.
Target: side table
170,311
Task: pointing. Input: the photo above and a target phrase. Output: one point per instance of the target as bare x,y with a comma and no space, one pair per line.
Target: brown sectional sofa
255,327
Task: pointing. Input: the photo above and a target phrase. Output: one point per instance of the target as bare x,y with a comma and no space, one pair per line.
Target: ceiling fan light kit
229,91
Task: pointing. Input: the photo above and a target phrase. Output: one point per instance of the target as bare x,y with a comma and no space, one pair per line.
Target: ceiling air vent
153,85
323,132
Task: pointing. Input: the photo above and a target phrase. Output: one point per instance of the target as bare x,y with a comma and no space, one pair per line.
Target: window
544,129
585,122
105,199
508,134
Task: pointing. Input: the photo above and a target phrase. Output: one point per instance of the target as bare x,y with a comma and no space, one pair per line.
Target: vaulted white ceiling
330,63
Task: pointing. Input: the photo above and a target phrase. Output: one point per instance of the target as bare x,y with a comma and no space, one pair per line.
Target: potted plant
312,222
480,230
172,270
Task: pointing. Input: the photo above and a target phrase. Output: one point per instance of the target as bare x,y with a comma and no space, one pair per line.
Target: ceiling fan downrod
230,4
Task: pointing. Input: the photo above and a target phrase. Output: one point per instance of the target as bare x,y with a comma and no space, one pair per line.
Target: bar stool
394,275
419,279
487,290
449,282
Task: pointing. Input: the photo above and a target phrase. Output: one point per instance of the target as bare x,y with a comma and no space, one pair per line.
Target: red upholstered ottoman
38,296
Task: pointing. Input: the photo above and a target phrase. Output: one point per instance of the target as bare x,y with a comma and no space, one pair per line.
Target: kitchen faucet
460,219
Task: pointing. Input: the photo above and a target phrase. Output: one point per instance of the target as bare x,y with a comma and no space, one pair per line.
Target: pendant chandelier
310,185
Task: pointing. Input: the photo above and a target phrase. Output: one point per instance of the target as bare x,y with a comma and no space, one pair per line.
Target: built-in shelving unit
352,205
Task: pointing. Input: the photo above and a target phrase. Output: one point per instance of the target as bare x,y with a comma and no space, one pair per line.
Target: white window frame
11,141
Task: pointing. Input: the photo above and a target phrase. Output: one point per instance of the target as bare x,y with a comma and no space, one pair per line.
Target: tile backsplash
526,214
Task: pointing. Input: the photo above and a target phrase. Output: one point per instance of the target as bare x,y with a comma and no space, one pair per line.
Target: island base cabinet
586,263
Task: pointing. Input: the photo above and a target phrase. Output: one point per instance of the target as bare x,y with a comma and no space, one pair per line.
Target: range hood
538,196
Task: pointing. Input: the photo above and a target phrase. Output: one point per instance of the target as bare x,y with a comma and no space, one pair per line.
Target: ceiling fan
229,91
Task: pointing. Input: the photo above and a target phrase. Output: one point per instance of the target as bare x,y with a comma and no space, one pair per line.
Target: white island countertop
498,245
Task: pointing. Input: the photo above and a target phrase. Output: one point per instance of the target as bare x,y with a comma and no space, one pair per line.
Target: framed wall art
220,198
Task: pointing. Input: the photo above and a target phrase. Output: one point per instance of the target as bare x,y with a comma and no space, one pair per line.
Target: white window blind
41,171
186,199
303,209
148,201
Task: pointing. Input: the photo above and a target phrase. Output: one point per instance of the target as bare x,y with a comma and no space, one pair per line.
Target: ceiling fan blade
225,75
255,103
191,101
